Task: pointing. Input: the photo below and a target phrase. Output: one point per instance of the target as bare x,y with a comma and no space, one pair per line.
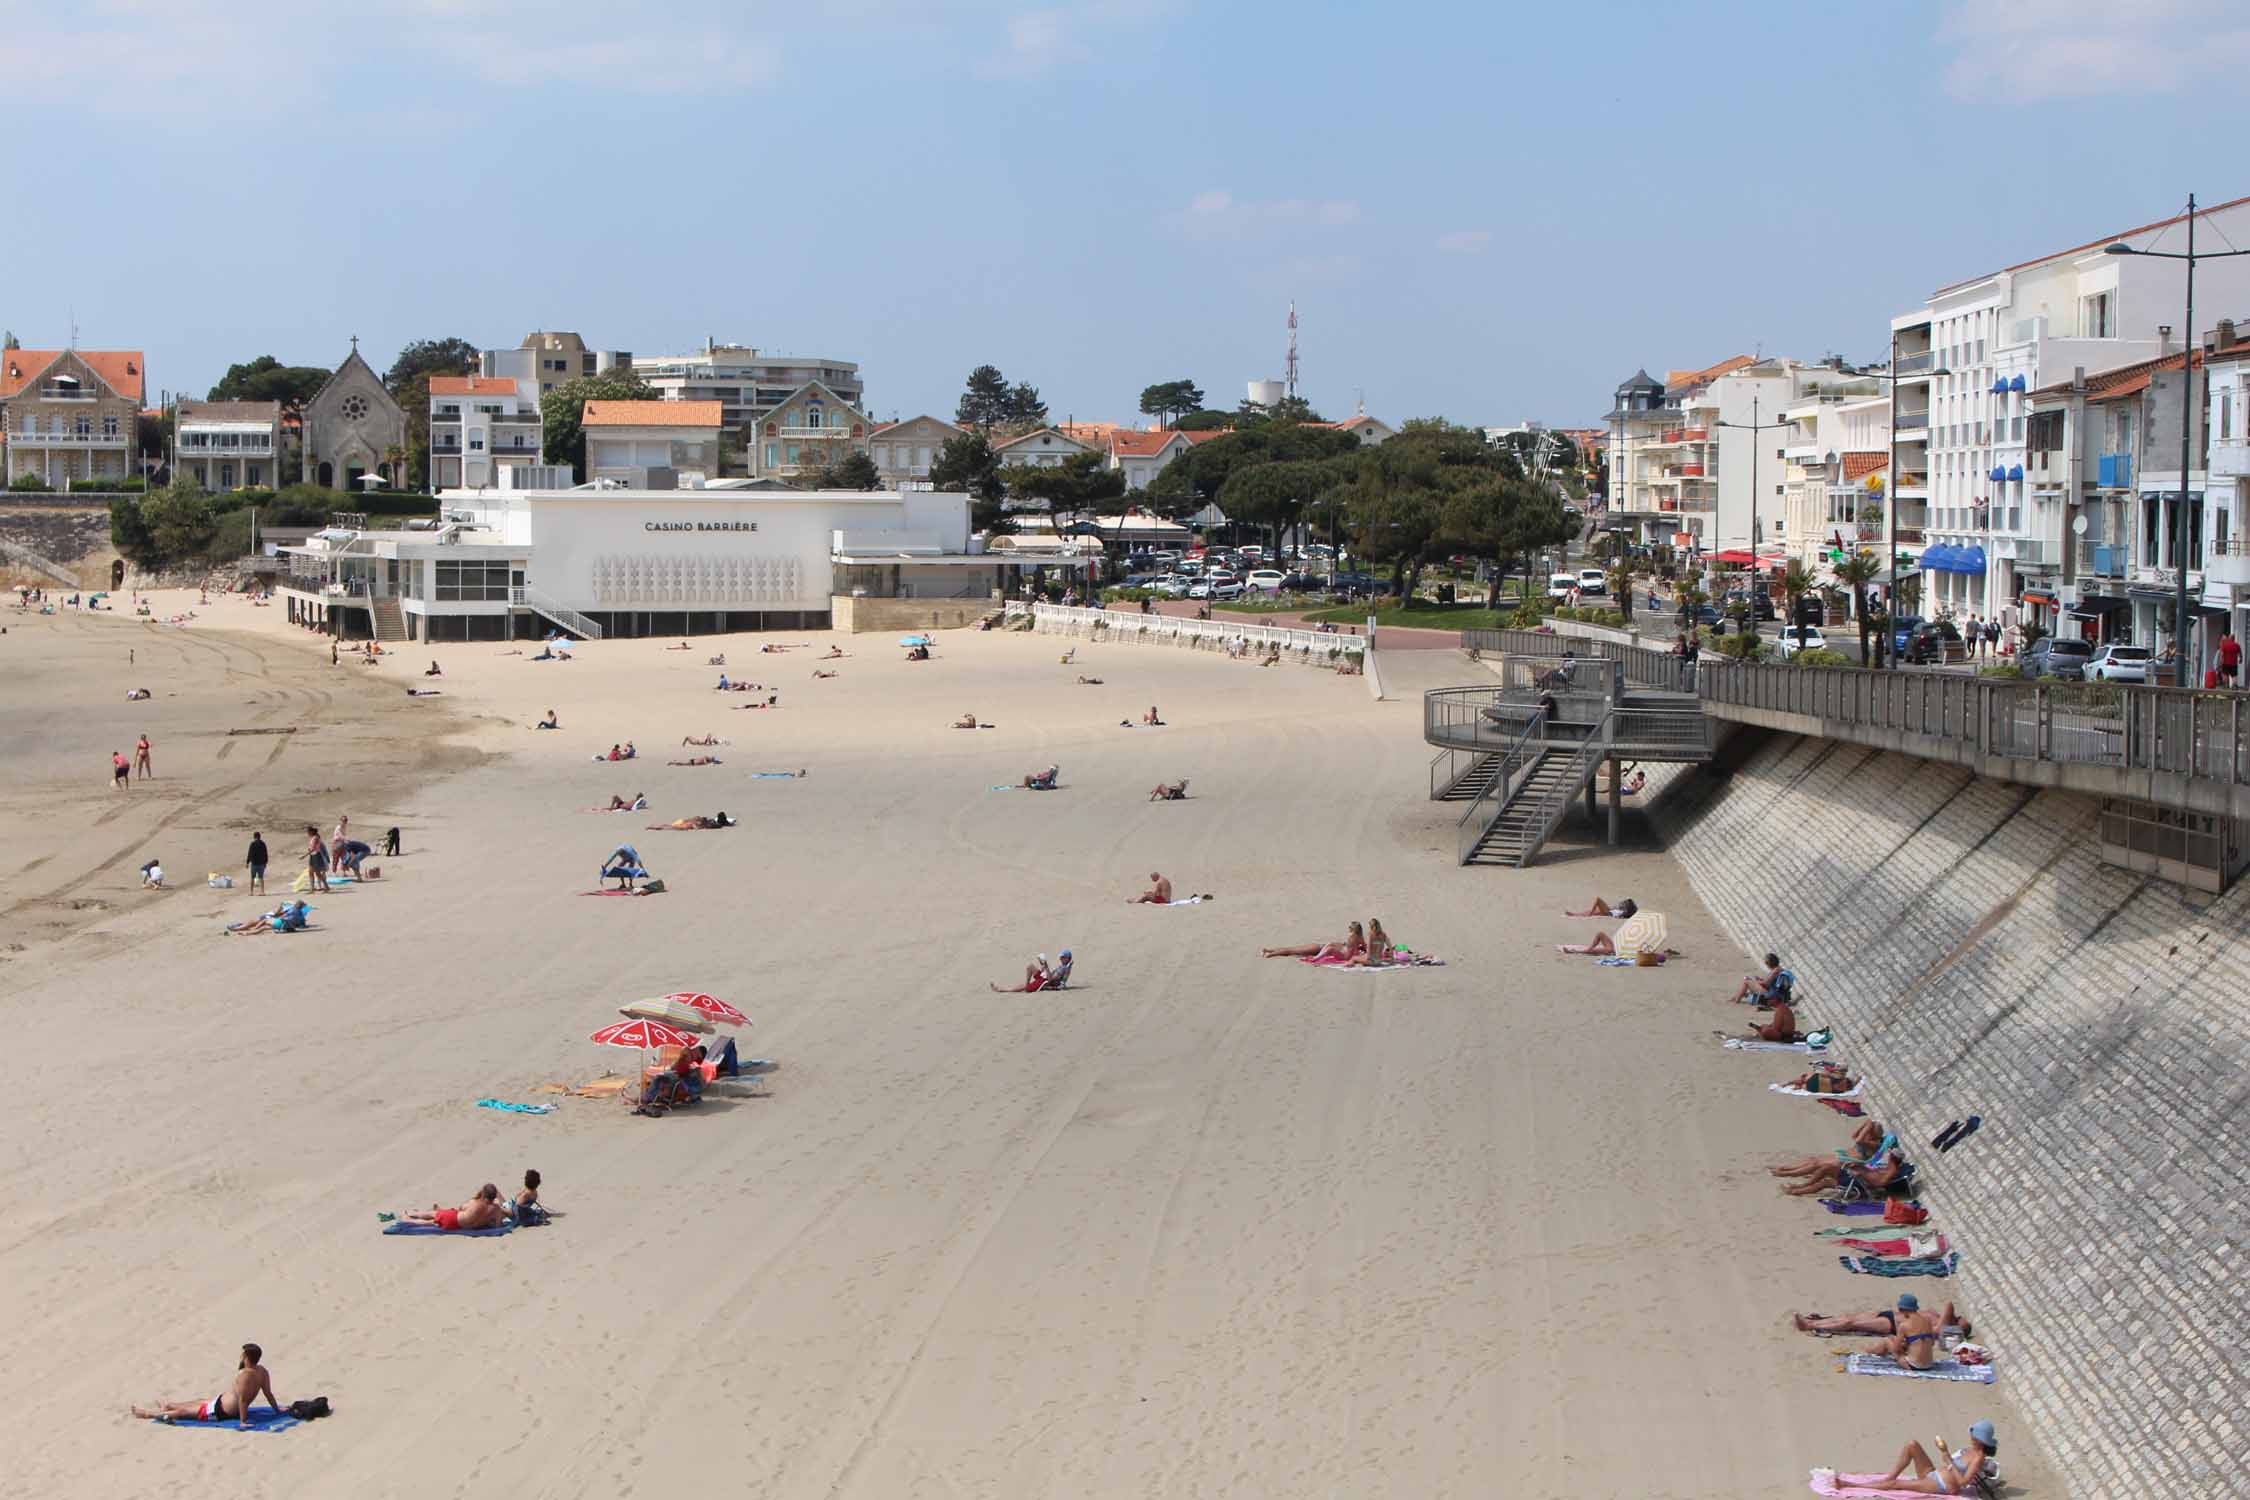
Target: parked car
1253,553
2059,657
1592,581
1349,584
2114,663
1230,589
1266,580
1796,638
1935,644
1303,583
1175,586
1559,585
1902,630
1707,617
1143,580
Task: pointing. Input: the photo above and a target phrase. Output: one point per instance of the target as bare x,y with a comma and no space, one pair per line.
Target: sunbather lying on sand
1828,1078
248,1382
772,699
708,739
1601,908
1089,681
1354,944
698,760
718,820
1882,1322
1042,781
835,653
1168,791
262,922
818,674
481,1212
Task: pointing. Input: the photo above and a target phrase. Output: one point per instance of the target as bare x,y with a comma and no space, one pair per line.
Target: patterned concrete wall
1975,957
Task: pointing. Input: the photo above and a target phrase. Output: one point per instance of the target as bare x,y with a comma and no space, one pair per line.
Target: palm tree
1796,581
1856,572
394,460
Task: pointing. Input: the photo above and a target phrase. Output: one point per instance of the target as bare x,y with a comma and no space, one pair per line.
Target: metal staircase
569,619
1513,817
1462,775
389,619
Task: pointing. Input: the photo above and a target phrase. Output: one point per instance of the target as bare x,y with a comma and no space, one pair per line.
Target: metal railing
1173,630
1556,799
1521,756
567,618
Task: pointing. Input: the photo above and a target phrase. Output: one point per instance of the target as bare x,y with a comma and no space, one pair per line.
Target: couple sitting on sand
289,916
484,1211
682,1081
1907,1335
1869,1170
1358,949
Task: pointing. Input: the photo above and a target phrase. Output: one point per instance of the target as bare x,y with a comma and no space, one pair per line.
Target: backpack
307,1411
1900,1211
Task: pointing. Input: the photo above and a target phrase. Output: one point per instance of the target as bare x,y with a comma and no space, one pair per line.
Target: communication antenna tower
1289,369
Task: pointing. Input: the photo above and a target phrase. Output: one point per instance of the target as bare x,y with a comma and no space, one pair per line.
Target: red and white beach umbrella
717,1011
644,1033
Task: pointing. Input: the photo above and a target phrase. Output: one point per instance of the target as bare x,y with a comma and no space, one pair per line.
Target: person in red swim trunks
480,1212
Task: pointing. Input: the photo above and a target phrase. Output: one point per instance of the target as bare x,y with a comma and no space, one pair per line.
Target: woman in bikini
1354,944
1947,1474
1601,908
1378,950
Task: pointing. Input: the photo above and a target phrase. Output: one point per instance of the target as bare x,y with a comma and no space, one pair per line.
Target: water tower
1266,393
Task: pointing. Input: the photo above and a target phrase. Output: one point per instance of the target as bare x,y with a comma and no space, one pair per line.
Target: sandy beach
1201,1225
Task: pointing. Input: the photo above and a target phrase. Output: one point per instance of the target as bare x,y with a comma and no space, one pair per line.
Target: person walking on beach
343,833
316,859
256,860
120,770
250,1381
141,764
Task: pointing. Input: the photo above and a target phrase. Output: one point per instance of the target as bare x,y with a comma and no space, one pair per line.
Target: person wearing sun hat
1955,1473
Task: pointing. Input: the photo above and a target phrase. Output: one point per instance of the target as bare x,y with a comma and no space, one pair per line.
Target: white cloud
1038,41
2029,50
1464,241
1218,214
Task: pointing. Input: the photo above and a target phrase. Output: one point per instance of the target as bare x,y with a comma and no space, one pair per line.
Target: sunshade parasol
715,1011
1642,932
669,1011
643,1033
914,640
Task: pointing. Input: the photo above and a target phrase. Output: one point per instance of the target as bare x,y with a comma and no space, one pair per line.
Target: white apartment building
2226,511
227,445
2000,336
1688,467
747,383
651,444
545,360
1836,455
479,423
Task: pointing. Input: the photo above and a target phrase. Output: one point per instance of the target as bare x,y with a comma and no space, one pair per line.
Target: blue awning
1937,559
2015,473
1969,560
1998,474
1999,384
2016,383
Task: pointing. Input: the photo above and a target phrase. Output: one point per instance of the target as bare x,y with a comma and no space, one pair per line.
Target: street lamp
2180,537
1753,427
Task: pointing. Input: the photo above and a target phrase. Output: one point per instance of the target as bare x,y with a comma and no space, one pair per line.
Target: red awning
1733,557
2046,599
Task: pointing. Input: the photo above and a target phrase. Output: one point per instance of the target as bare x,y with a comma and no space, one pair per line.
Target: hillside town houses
2019,440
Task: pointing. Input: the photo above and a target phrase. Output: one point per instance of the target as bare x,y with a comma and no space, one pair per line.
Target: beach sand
1203,1224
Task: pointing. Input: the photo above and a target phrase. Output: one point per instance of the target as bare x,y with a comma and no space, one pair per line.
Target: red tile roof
471,385
122,370
2202,212
1679,380
1858,466
653,414
2125,380
1128,443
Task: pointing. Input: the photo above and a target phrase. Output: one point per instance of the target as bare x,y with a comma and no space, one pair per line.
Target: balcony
1912,483
1689,471
65,440
2230,458
512,418
2116,471
1915,364
2100,559
196,445
818,434
67,393
1911,421
2047,466
2230,562
1695,434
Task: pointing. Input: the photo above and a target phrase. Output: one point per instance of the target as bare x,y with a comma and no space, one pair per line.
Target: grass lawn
1420,614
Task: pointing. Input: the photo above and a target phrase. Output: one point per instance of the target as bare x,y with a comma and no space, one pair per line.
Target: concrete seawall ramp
1975,957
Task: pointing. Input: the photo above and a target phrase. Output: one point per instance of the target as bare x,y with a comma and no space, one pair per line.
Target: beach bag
1900,1211
222,882
308,1411
653,888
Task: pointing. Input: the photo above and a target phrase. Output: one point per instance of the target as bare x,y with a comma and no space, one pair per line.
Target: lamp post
1753,427
2180,538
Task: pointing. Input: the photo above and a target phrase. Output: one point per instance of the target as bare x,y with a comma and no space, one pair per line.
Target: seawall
1975,957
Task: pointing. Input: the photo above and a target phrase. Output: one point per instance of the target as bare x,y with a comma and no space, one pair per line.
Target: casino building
539,554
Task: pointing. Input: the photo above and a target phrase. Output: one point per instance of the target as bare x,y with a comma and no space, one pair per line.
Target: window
2094,317
85,427
109,426
473,582
773,455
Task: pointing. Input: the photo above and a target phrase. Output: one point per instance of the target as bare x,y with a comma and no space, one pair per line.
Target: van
1592,581
1559,585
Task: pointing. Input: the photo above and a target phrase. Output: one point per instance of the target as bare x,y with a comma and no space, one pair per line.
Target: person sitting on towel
1882,1321
1956,1473
1159,892
1042,781
1913,1343
1875,1166
1601,908
481,1212
1775,983
248,1382
527,1207
1867,1137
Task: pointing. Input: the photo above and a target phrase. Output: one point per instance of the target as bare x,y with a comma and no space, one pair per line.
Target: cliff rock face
38,541
1975,957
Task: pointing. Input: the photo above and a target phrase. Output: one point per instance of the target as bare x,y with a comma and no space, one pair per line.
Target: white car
1176,586
1798,638
2118,664
1592,581
1265,580
1559,585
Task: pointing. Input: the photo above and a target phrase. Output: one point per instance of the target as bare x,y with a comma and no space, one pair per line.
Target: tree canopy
967,463
990,401
1076,487
560,410
1172,399
449,356
850,469
268,379
1437,488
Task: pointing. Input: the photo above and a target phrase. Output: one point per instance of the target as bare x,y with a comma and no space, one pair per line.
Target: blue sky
1487,212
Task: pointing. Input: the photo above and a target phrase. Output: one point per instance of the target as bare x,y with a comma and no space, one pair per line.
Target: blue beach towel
516,1109
773,775
262,1419
400,1226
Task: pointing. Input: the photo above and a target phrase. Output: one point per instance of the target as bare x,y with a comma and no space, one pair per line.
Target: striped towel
1944,1369
1877,1265
1752,1044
